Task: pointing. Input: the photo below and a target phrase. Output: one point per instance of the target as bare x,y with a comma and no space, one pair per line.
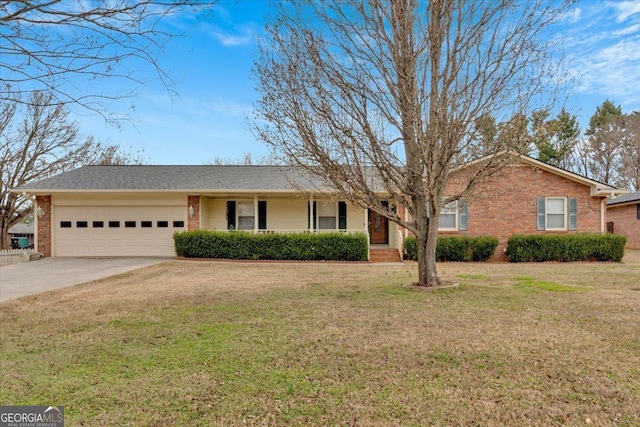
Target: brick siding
506,204
44,225
625,221
194,221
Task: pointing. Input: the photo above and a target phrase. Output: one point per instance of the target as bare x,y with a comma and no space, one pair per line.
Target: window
163,224
246,216
65,224
448,217
557,213
130,224
81,224
98,224
453,216
146,224
326,216
114,224
178,224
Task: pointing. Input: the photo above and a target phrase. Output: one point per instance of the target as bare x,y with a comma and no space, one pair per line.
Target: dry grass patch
227,343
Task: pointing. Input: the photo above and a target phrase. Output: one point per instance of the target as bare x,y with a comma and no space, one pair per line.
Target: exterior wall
356,218
287,214
282,214
43,229
194,221
506,205
625,221
214,214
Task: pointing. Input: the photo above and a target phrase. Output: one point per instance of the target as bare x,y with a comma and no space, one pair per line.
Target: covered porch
283,214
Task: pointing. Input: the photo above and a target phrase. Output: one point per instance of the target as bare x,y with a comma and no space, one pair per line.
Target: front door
378,229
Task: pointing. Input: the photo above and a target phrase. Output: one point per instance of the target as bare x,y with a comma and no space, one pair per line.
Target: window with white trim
454,216
556,213
448,219
327,215
246,216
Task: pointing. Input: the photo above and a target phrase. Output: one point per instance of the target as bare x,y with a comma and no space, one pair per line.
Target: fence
13,256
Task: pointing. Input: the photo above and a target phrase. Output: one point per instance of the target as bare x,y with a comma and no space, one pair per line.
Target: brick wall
194,221
506,204
625,221
44,225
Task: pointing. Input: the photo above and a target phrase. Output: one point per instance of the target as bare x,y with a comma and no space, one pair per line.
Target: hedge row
242,245
566,247
456,248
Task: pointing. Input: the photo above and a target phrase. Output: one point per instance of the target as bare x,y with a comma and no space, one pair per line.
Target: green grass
474,276
530,282
204,344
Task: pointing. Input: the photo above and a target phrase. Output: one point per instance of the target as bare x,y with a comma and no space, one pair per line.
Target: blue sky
212,68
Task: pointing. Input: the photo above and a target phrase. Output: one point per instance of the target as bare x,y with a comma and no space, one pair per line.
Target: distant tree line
607,151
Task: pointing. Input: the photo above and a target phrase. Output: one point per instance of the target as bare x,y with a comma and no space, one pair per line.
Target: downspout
603,210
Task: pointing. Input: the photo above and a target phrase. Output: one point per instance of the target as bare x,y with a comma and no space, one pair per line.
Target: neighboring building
134,210
623,215
20,234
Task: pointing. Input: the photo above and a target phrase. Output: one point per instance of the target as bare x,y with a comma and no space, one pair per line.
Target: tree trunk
4,235
426,240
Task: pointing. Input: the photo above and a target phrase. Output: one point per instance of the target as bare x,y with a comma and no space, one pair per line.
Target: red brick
625,221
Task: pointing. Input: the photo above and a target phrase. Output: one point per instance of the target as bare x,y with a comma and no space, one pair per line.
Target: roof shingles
151,177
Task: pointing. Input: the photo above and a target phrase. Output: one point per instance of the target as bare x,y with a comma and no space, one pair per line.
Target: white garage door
117,230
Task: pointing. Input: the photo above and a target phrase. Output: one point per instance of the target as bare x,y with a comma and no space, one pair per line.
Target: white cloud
626,31
626,9
237,36
573,16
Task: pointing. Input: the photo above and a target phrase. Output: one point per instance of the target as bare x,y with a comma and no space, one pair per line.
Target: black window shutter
262,214
231,215
638,211
342,216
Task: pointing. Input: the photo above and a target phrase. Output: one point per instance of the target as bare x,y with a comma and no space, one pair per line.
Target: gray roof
21,228
627,198
176,178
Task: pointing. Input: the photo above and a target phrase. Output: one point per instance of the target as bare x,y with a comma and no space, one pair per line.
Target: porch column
43,225
255,214
311,229
193,212
366,221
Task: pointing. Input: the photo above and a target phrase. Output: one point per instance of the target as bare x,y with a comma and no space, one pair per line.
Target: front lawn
232,343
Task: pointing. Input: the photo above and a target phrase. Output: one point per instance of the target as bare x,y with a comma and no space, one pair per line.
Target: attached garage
116,230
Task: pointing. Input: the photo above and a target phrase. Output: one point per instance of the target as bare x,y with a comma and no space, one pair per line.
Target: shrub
456,248
566,247
240,245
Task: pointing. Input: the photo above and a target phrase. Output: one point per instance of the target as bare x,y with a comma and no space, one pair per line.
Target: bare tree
380,98
56,46
37,140
630,170
245,159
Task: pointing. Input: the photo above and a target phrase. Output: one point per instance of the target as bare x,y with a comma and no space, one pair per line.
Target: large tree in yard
38,140
381,98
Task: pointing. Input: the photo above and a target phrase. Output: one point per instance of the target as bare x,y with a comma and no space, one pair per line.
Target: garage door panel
125,236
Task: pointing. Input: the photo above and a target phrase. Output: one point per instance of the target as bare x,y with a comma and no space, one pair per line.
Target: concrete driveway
26,278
